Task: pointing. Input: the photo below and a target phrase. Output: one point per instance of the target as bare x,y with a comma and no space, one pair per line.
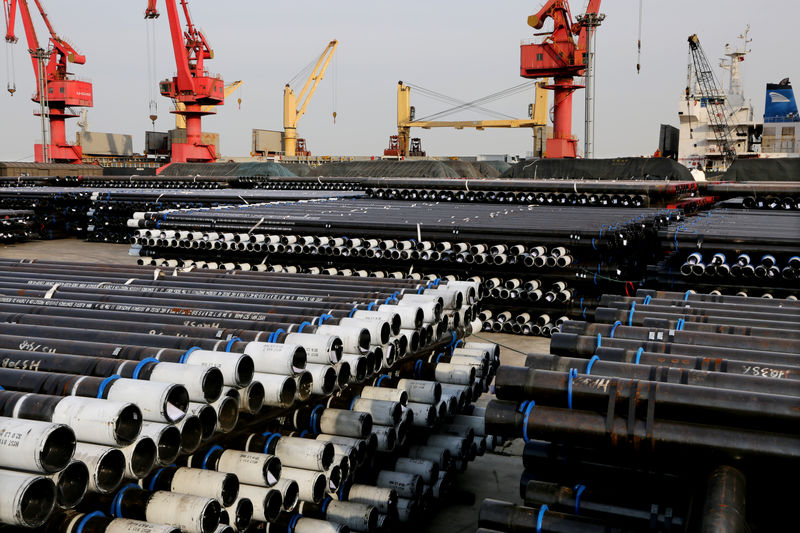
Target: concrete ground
495,475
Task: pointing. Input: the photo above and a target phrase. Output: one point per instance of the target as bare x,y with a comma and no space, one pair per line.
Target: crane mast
560,57
292,112
56,92
714,99
193,86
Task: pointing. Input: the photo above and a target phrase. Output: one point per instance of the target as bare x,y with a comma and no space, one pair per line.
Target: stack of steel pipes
101,214
143,368
667,414
534,261
772,195
744,252
16,225
594,193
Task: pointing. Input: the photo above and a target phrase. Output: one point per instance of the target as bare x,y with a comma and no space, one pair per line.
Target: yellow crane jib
291,111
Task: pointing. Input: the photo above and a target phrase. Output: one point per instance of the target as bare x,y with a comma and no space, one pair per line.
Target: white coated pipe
441,456
324,378
353,446
98,421
354,515
477,423
424,414
193,514
252,468
385,393
204,384
304,382
345,423
383,412
411,317
358,366
308,454
140,457
158,401
381,316
431,309
313,485
106,466
25,499
274,358
387,437
279,390
313,525
354,339
456,374
35,446
379,330
267,502
404,484
71,485
251,397
451,442
427,470
227,409
126,525
207,416
236,368
290,493
222,486
191,433
421,391
334,477
381,498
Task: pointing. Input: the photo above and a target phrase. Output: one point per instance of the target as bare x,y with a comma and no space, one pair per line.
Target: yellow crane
405,121
291,112
180,120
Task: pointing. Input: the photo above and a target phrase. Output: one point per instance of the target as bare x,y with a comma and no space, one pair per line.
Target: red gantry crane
55,91
561,58
193,87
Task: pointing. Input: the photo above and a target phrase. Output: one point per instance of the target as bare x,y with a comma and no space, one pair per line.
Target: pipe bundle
16,225
141,368
559,257
100,207
733,251
665,414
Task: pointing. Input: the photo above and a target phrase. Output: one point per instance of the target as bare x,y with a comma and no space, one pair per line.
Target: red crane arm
558,10
10,14
27,22
151,12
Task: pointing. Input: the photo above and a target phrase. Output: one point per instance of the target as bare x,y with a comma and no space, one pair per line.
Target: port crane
180,120
56,91
403,145
193,86
714,100
560,57
292,112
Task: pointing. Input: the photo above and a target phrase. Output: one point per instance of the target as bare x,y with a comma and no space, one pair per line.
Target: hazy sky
465,49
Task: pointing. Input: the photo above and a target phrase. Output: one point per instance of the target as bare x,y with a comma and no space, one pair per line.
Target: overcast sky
463,48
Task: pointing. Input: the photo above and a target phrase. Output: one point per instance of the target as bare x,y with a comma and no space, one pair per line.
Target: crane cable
152,71
334,84
639,42
474,104
11,75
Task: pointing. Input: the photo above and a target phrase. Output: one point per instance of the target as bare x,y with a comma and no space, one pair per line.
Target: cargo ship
776,136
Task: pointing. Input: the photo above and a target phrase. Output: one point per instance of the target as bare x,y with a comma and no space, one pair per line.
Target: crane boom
192,88
60,91
560,57
291,111
715,102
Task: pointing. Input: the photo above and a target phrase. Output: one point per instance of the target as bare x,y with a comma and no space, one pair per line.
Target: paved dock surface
495,475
